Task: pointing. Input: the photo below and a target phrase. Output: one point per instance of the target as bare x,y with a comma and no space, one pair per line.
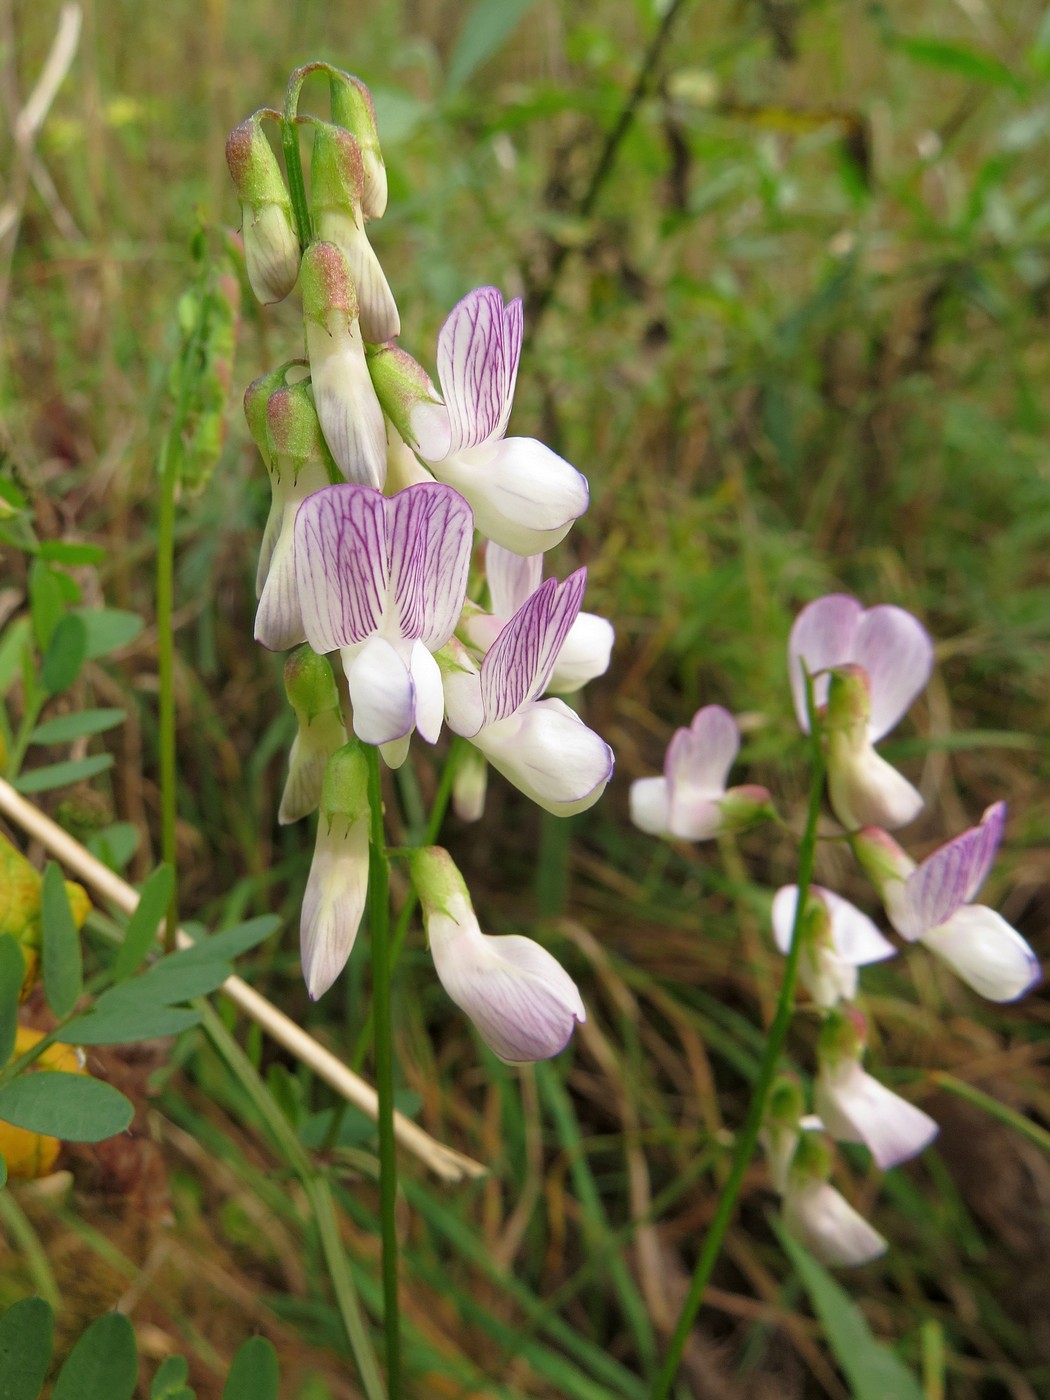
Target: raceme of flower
836,937
867,667
512,580
523,495
855,1107
382,580
541,746
691,801
932,903
522,1001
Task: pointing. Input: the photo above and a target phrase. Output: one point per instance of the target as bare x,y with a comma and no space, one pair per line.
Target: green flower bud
271,245
353,108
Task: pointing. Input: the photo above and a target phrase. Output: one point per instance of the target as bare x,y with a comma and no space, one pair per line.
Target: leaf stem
748,1138
379,922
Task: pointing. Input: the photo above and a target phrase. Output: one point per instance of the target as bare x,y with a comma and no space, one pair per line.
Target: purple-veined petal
430,532
951,876
650,807
512,578
381,692
429,695
865,790
896,652
522,1001
341,565
334,902
524,496
549,754
821,637
477,357
855,1107
825,1222
519,664
585,654
986,952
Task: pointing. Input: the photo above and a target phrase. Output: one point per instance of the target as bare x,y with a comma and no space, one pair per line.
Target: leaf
141,932
72,553
232,941
974,64
103,1365
115,845
120,1025
46,603
12,647
73,1107
66,728
12,975
55,775
485,30
65,655
171,981
108,629
873,1370
3,1172
61,955
26,1337
254,1372
171,1376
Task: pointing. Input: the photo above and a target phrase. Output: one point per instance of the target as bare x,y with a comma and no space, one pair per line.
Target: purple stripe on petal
473,368
513,327
341,565
952,875
431,532
519,664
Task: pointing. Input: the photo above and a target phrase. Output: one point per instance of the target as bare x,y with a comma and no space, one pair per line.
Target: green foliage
73,1107
60,955
12,971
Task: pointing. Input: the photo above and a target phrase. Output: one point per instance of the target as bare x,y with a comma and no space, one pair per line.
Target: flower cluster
855,672
379,481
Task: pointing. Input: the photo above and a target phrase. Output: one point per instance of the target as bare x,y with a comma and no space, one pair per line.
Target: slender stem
169,476
293,161
379,922
746,1142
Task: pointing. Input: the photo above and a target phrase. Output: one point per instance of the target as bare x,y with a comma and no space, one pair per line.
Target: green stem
379,923
746,1142
169,477
293,161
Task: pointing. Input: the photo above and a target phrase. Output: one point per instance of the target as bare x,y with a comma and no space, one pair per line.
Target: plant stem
169,476
379,923
748,1138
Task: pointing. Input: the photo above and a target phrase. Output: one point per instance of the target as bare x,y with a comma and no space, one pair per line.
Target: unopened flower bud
353,108
271,245
864,790
311,690
350,415
408,396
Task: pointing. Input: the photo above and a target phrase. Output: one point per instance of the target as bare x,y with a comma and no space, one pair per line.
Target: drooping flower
867,668
819,1216
513,579
352,107
382,580
311,690
836,939
271,245
522,1001
855,1107
691,801
523,495
541,746
337,886
931,903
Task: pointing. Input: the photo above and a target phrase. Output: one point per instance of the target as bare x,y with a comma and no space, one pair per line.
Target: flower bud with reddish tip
409,397
271,245
349,412
311,690
353,108
337,886
864,790
336,184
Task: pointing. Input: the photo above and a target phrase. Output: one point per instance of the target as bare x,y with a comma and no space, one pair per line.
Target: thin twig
443,1161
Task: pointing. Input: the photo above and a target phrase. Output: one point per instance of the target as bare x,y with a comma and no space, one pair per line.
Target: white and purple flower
867,666
524,496
836,939
691,801
541,746
931,903
382,580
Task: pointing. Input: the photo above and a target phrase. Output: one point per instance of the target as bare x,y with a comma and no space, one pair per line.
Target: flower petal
865,790
699,758
825,1222
333,903
821,637
524,496
279,622
430,531
381,692
512,578
311,749
341,565
519,663
585,654
550,755
377,309
855,1107
952,875
896,652
522,1001
477,357
347,408
650,808
982,948
429,695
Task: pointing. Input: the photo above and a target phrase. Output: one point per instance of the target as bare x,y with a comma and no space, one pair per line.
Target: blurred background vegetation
786,266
